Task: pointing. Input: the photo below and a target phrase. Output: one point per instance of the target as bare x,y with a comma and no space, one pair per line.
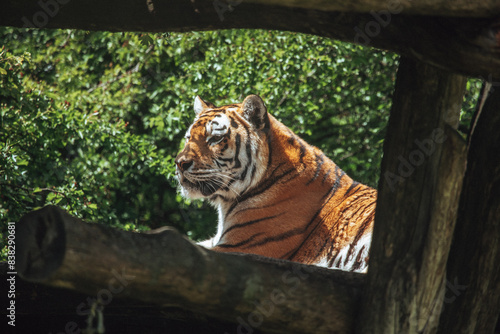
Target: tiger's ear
255,111
200,105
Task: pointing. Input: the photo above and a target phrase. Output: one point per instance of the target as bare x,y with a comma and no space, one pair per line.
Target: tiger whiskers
214,180
221,177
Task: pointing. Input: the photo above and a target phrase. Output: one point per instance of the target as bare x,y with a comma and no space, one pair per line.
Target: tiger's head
225,150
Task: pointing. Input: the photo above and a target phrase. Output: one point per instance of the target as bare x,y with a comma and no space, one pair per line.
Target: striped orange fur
277,196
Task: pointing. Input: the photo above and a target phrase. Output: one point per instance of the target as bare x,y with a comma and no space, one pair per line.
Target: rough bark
165,268
465,45
422,170
474,260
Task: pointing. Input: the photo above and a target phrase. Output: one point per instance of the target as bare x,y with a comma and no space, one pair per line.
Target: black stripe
337,180
244,174
337,265
239,243
326,175
254,169
279,237
354,184
248,224
234,124
209,114
270,148
249,153
293,140
332,259
320,160
248,147
224,148
349,253
237,163
205,115
286,255
302,152
268,183
358,262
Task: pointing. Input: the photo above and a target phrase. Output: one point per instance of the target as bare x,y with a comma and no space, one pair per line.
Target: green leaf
51,196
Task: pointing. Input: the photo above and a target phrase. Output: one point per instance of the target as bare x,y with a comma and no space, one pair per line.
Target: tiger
276,195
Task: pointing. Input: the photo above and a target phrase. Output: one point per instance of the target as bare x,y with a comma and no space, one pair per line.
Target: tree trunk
473,304
466,45
167,269
422,171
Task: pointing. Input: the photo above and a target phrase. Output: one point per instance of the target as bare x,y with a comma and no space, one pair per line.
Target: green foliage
92,121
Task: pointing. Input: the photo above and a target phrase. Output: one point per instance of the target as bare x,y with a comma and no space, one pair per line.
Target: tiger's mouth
205,187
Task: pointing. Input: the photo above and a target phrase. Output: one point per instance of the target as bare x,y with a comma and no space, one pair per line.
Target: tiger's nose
183,164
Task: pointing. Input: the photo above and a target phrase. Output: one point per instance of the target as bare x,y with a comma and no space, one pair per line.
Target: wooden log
474,261
422,170
466,44
55,310
165,268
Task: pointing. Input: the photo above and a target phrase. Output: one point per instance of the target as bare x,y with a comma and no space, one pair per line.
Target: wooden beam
166,268
459,8
473,304
463,45
422,170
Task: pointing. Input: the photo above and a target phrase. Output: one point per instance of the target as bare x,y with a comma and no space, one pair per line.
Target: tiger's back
277,196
